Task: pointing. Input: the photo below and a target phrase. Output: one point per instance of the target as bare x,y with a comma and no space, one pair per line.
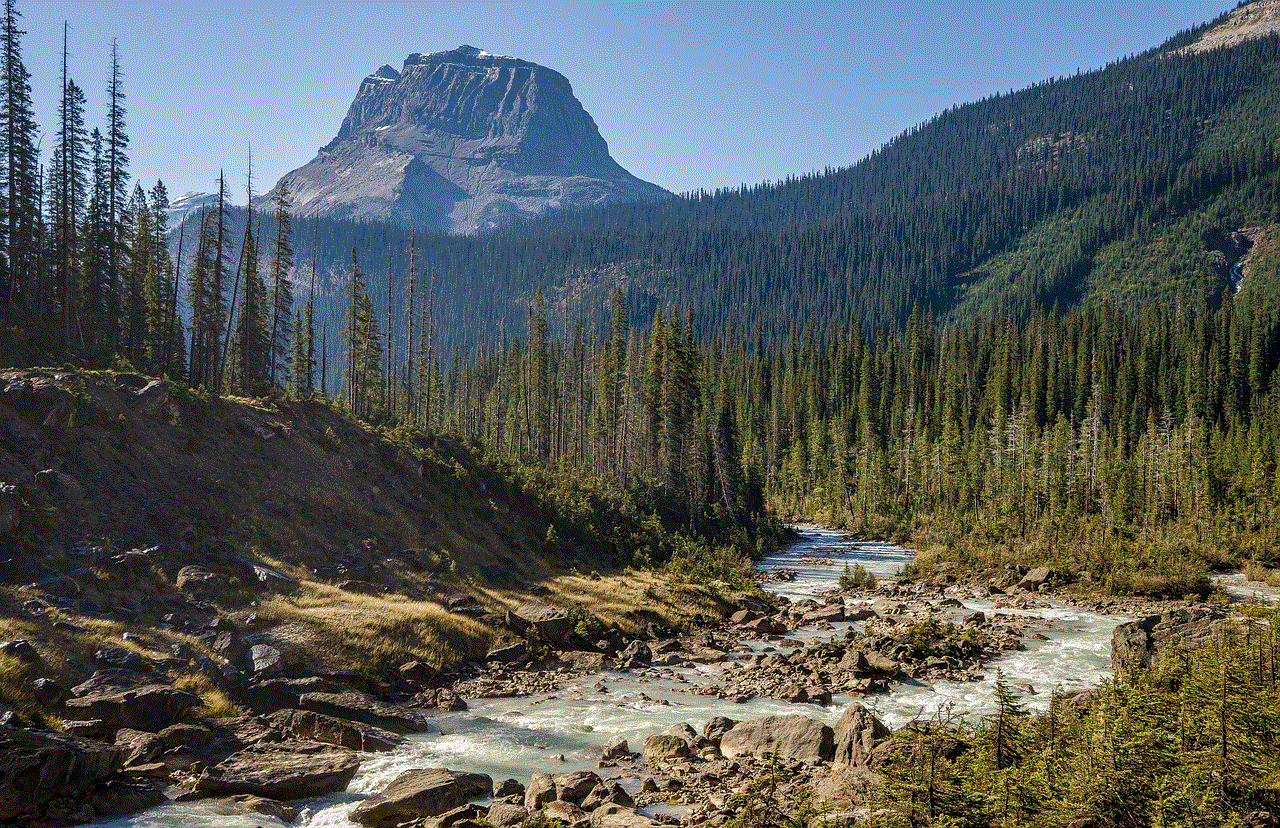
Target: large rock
1137,644
317,727
322,696
619,816
151,708
552,624
37,767
667,747
459,141
856,734
789,738
416,794
282,771
1036,578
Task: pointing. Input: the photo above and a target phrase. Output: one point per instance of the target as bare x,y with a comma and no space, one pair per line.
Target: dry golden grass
216,702
327,629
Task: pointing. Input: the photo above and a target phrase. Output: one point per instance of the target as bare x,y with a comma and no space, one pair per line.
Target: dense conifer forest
1016,334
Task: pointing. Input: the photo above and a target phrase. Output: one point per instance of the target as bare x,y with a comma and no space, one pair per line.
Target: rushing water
564,730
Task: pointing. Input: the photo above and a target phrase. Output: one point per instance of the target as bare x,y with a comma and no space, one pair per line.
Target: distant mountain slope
460,141
1154,176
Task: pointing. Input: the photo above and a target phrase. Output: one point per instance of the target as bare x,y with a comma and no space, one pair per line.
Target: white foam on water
514,737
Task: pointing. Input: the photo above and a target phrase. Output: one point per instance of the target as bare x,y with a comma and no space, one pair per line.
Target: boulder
507,815
117,797
332,699
418,673
789,738
318,727
668,746
281,771
541,790
516,653
635,654
508,787
716,727
267,577
1034,579
619,816
151,708
574,786
264,661
119,658
427,792
606,793
616,749
566,813
198,577
36,767
552,624
856,734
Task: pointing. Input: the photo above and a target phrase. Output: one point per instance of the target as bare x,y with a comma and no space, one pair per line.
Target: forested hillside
1131,183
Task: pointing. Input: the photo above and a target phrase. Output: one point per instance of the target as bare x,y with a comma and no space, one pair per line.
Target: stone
266,807
119,658
552,624
1137,644
418,673
264,661
516,653
606,793
566,813
507,815
974,619
48,693
322,696
574,786
540,791
151,708
414,794
856,734
21,649
636,654
318,727
192,578
1034,579
789,738
616,749
117,797
281,771
619,816
36,767
667,747
716,727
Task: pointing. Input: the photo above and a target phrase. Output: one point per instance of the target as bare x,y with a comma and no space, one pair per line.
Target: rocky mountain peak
462,140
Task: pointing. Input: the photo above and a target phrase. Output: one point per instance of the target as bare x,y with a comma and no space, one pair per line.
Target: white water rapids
513,737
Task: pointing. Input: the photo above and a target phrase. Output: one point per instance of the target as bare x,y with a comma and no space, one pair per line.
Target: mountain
460,141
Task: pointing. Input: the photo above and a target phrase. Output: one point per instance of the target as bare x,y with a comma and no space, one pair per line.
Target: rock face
1139,643
38,767
856,735
461,141
422,793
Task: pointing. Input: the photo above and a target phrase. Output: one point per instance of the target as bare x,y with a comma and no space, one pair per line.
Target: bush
856,578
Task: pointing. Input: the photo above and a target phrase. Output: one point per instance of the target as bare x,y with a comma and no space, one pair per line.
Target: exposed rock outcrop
460,141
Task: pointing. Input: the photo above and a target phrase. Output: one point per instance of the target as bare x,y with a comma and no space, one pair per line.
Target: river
513,737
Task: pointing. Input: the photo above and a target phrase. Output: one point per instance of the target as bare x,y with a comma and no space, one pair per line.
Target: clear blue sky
688,95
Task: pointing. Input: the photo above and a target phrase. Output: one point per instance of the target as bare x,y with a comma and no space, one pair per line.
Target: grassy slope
300,487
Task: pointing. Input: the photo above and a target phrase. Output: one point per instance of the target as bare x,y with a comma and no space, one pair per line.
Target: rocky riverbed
798,687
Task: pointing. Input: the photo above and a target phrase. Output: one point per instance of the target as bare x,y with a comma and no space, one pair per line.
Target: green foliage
856,578
1195,741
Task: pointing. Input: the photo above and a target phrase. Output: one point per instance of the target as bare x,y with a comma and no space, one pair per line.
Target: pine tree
19,274
117,183
281,287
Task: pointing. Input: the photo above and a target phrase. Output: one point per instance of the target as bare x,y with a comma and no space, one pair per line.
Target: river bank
763,662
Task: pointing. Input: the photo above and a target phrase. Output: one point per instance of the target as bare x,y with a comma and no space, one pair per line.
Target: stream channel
513,737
